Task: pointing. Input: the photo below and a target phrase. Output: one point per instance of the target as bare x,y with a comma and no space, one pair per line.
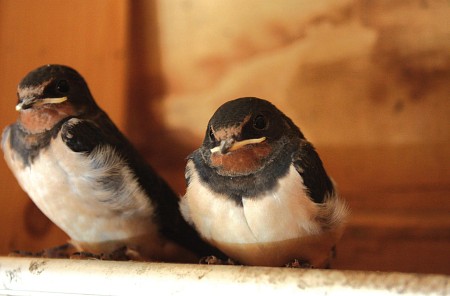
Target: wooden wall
366,81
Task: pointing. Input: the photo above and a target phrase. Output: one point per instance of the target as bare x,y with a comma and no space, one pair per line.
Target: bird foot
62,251
21,253
213,260
85,255
69,251
122,254
299,264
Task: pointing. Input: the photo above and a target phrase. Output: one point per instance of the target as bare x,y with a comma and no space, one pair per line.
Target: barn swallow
84,175
258,191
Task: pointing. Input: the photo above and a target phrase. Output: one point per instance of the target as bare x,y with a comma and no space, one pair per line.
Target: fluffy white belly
65,186
271,230
281,214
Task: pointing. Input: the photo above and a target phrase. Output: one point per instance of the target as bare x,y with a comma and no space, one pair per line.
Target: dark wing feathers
308,164
168,215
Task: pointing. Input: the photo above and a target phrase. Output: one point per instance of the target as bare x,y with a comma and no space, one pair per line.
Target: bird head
244,134
50,93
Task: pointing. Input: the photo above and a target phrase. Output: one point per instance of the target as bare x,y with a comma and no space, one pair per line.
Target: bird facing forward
257,189
85,176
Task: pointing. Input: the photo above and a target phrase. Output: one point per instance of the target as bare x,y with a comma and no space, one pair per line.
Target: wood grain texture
347,72
366,81
400,208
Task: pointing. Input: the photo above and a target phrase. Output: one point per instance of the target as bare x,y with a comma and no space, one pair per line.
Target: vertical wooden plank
163,148
90,36
366,81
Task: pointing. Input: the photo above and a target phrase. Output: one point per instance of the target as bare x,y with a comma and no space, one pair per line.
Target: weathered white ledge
30,276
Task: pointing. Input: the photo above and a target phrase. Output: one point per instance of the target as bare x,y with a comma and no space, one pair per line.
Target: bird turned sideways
257,189
84,175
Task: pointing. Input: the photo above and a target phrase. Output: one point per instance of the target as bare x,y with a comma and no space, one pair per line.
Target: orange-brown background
368,82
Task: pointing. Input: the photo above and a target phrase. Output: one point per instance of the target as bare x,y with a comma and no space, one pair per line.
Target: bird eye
63,86
260,122
211,134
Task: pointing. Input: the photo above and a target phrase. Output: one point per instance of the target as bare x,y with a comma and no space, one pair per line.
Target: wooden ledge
25,276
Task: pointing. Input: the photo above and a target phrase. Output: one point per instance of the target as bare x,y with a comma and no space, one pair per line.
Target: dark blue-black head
247,119
51,86
250,144
246,133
